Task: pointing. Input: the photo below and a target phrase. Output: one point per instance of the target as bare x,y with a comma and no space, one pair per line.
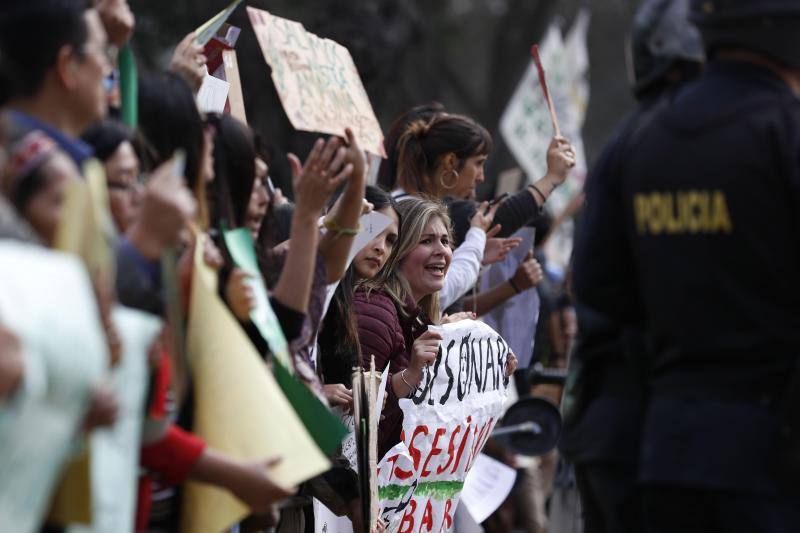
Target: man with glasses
56,83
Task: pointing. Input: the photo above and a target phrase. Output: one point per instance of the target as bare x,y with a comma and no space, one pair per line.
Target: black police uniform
697,239
604,402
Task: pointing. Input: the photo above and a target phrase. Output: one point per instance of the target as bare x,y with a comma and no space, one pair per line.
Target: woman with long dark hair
339,349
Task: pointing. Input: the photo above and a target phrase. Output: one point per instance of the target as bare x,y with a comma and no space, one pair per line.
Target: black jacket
696,240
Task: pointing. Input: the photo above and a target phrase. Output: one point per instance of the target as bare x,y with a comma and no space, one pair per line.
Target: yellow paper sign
316,80
86,228
239,408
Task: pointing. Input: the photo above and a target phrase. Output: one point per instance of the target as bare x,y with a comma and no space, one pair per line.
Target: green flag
128,86
324,427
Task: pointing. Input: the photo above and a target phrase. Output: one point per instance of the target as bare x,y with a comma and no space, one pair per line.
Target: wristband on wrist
539,192
331,225
514,285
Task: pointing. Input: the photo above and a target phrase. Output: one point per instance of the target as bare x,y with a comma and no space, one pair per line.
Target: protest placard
445,426
526,123
316,80
239,408
48,303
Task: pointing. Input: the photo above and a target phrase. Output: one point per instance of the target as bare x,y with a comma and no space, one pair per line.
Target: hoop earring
455,182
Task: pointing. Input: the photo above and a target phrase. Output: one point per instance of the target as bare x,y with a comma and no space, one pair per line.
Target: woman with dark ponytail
443,158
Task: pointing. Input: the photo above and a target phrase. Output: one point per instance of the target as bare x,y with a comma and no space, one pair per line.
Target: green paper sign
206,32
324,427
240,245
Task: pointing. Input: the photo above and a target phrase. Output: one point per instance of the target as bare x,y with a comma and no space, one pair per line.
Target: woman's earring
455,181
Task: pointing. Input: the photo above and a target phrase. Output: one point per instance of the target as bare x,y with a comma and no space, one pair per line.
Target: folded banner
445,426
316,80
239,408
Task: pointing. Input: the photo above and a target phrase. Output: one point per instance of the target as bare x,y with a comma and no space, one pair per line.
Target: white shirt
466,263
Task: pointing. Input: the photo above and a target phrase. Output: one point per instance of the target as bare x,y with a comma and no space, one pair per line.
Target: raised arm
342,220
314,183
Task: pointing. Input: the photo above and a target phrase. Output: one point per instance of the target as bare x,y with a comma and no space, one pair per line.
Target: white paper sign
486,487
445,426
212,95
516,318
115,450
48,302
327,522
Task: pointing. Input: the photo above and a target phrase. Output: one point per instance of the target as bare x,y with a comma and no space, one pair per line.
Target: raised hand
167,205
240,295
560,160
316,180
497,248
118,20
482,218
528,274
189,62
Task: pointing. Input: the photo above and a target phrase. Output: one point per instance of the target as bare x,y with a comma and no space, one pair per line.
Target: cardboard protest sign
239,408
48,303
445,426
86,228
526,122
316,80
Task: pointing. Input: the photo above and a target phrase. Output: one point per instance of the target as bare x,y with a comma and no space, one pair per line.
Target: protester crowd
677,316
175,183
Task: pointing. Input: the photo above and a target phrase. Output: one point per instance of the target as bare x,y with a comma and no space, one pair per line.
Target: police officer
604,403
697,240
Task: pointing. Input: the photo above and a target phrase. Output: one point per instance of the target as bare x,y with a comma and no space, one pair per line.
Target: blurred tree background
467,54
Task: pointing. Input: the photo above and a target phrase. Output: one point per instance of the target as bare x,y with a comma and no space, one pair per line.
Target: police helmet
661,36
769,27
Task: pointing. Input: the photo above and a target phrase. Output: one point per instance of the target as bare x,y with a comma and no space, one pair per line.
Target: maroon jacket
388,334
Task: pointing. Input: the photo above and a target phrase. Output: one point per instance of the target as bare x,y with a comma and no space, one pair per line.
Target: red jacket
170,458
388,334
